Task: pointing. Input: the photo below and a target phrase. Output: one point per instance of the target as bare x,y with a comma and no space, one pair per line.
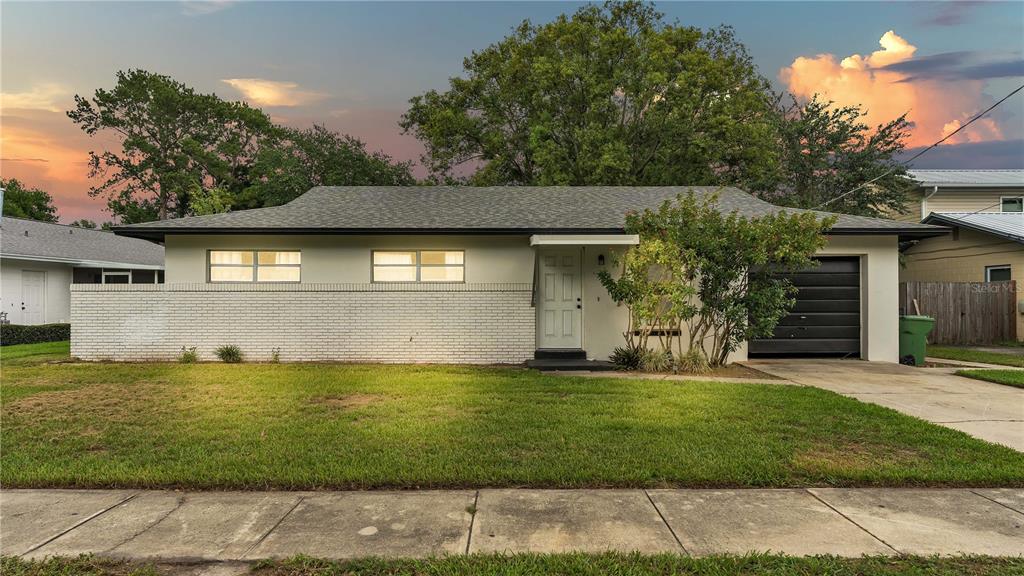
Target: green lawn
610,564
1013,378
299,426
963,354
34,353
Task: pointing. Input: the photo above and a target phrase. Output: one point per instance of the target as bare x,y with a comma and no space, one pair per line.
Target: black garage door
826,318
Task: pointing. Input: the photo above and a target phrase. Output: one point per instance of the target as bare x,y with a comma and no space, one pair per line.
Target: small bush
694,362
627,358
188,355
11,334
275,356
229,353
656,361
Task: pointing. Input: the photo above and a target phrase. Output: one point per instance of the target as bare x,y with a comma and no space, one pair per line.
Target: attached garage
826,320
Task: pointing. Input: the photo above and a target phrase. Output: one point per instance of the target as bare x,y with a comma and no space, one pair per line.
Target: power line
922,152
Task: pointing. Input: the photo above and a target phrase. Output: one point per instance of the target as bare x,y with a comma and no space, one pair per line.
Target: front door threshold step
562,364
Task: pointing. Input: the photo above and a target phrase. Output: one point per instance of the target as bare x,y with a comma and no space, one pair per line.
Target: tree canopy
615,95
302,159
21,201
828,151
610,95
176,143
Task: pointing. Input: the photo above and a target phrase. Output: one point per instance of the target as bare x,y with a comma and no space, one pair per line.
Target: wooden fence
964,312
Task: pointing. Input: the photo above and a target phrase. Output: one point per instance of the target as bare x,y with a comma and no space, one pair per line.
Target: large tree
172,138
611,95
21,201
301,159
831,159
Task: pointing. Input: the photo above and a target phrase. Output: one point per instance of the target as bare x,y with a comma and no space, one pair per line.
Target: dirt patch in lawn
108,401
348,401
851,457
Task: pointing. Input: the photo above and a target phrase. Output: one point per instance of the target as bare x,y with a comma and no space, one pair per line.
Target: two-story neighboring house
985,209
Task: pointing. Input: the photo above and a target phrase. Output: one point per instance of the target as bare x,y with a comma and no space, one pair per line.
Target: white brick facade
451,323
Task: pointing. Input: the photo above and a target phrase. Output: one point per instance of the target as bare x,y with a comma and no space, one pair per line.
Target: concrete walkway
232,526
985,410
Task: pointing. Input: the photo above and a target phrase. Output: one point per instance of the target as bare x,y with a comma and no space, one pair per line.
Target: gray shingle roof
46,241
970,178
1009,225
374,209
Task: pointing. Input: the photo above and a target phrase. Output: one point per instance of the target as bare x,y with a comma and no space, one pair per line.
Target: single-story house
39,261
450,274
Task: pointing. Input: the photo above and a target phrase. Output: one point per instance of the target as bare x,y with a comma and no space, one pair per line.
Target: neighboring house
945,191
450,274
985,209
39,261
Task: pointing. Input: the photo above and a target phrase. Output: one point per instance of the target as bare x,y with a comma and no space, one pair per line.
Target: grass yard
611,564
1013,378
307,426
966,355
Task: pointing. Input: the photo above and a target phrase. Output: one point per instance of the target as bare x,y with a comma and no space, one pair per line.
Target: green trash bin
913,338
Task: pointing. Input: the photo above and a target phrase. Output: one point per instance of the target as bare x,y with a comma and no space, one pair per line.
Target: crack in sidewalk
852,521
96,515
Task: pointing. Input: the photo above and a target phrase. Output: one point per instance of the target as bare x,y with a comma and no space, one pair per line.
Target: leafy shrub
627,358
275,356
229,353
11,334
188,355
656,361
694,362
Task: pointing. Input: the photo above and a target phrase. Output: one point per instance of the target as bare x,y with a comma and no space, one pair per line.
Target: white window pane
394,258
230,257
394,273
441,273
274,257
277,274
441,257
230,274
1013,204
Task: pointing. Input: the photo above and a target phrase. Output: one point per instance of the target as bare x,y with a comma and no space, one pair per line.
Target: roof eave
158,234
934,217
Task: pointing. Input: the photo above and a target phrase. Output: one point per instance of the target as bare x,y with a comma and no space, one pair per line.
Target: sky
354,66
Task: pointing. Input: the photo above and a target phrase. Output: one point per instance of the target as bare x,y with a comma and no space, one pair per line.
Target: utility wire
922,152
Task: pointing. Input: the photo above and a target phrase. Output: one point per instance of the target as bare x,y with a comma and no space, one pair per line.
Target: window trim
989,269
1004,198
418,265
255,266
115,272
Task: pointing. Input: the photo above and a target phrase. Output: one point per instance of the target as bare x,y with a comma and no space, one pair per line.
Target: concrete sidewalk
232,526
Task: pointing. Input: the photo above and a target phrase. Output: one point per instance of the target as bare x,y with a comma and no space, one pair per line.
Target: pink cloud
935,108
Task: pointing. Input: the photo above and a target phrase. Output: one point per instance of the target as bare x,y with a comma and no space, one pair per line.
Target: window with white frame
419,265
116,277
1011,204
255,265
997,273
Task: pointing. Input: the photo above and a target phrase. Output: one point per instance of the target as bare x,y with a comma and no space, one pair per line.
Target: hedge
17,334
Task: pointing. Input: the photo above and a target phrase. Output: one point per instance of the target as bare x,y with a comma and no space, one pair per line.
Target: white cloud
41,97
272,92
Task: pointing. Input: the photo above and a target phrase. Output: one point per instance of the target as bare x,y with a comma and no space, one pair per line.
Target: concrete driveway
985,410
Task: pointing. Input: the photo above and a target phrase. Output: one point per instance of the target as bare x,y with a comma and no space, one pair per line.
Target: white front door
33,297
559,299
